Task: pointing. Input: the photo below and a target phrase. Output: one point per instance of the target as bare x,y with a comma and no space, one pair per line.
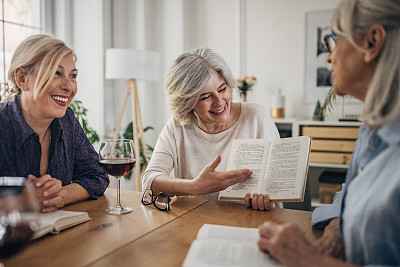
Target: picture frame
318,78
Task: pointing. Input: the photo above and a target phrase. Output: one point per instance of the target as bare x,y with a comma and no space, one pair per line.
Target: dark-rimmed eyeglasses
161,201
330,42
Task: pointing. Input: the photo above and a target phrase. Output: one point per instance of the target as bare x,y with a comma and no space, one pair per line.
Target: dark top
72,159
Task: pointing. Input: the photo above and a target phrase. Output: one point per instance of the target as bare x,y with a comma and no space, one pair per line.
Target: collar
21,128
390,132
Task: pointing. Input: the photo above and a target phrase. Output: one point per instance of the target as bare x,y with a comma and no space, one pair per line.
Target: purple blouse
72,159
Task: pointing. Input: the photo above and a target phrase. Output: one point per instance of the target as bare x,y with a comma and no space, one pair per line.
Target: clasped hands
49,192
211,181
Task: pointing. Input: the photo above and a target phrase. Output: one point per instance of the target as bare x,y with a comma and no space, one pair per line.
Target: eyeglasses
161,201
330,42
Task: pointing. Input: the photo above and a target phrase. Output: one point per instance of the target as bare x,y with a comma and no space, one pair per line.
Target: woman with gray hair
199,88
363,51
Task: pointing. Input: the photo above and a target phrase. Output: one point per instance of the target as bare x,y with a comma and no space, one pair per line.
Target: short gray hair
355,17
188,77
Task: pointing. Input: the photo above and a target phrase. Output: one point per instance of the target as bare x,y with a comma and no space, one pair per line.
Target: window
18,20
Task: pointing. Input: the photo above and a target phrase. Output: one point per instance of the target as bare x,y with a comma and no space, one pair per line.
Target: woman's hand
209,181
331,243
287,244
258,201
49,192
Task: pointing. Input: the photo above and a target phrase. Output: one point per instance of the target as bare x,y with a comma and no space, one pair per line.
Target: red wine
117,167
14,238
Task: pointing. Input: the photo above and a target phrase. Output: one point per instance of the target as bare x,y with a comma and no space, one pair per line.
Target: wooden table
147,236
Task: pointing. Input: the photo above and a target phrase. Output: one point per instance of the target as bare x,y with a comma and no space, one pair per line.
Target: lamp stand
136,125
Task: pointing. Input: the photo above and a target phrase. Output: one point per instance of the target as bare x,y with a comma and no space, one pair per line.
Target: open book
218,245
56,221
279,168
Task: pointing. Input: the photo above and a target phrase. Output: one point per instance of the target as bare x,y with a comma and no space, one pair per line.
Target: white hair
355,17
188,77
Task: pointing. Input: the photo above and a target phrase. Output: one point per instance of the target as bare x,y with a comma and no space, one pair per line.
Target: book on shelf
279,168
219,245
56,221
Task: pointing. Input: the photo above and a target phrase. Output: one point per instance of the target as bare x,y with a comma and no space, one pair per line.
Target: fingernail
38,184
45,202
45,194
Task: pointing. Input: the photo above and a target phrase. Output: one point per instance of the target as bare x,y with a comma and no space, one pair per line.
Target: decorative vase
278,106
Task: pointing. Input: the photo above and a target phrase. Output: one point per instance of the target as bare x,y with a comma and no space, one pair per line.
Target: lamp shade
132,64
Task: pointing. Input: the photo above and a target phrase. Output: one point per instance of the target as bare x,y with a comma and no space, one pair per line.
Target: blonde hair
354,18
188,77
37,51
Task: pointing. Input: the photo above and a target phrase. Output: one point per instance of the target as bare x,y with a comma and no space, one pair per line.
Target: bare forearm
331,243
75,193
173,186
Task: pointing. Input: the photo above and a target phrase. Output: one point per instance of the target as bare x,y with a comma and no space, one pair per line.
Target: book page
247,154
214,253
212,231
220,245
287,168
54,222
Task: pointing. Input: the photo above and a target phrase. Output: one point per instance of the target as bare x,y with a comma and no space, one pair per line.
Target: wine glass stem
119,192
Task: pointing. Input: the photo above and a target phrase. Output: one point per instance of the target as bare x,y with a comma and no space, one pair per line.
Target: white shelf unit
293,125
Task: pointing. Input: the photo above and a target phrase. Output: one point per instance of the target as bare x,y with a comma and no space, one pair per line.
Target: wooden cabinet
330,132
331,144
331,148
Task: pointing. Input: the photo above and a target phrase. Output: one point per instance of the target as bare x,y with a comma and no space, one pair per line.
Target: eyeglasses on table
161,201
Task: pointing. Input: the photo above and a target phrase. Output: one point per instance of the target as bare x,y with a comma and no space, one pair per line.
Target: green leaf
80,113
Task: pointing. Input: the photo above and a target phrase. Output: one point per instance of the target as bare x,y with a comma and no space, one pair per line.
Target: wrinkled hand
209,181
286,243
331,243
258,201
49,192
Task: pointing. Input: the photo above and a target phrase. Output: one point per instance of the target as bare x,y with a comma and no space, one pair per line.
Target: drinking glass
19,209
117,158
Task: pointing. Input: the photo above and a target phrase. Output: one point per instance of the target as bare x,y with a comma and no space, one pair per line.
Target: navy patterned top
72,159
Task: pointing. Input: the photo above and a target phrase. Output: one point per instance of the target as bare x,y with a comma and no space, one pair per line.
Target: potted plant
319,112
80,114
245,84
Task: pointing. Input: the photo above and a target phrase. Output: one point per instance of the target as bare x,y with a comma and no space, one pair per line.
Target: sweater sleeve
162,158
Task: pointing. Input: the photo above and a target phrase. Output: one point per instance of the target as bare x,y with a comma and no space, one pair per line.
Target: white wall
89,46
274,49
83,26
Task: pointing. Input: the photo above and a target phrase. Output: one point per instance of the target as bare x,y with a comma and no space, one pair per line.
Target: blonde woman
40,137
366,64
195,143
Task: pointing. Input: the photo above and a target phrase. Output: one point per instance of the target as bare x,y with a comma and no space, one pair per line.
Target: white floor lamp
132,65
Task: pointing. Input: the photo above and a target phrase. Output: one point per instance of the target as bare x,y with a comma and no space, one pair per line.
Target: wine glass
19,209
117,158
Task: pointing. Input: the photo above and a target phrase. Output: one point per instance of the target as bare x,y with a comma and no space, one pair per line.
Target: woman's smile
219,112
60,100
